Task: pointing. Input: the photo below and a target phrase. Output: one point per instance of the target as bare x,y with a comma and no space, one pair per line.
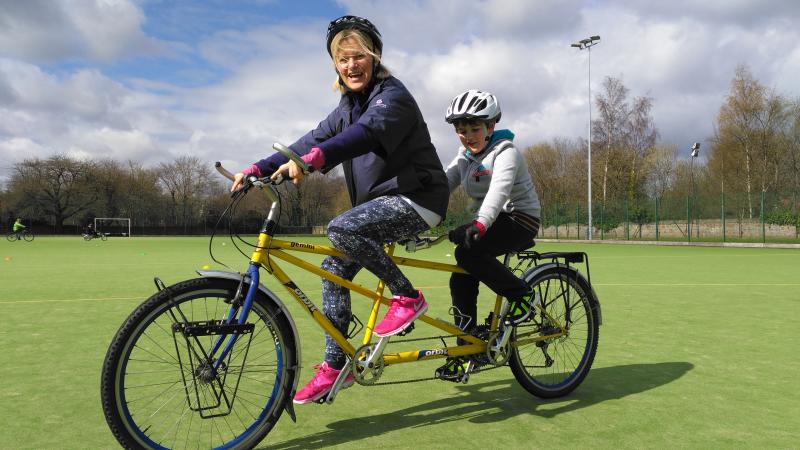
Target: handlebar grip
223,171
287,152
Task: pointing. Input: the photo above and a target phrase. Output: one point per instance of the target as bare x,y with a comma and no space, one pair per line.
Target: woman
395,180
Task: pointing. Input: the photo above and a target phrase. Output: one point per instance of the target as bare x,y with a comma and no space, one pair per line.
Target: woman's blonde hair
365,43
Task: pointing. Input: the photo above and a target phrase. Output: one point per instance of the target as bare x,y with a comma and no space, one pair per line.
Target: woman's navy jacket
405,161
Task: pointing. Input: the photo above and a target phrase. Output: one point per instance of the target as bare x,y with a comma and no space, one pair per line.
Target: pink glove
252,170
315,158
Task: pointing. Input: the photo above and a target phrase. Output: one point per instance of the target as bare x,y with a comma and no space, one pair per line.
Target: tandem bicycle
214,361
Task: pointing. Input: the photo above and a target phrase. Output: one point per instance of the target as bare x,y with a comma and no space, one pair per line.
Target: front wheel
160,389
27,235
12,237
553,350
103,237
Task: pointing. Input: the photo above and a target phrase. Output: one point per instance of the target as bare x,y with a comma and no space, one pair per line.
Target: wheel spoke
567,327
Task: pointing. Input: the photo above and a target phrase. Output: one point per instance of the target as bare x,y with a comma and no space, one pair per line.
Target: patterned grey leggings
360,233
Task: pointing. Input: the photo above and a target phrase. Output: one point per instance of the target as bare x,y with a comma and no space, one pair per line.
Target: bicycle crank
498,349
367,364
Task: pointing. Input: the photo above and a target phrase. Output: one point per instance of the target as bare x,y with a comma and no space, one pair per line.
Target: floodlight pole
587,44
695,153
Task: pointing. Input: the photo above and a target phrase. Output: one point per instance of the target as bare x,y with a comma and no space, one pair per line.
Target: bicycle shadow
496,401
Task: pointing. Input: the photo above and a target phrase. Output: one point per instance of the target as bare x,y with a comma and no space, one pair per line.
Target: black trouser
480,260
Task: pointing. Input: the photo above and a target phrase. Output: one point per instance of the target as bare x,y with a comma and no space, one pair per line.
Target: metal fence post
627,223
688,219
602,221
656,218
723,217
763,218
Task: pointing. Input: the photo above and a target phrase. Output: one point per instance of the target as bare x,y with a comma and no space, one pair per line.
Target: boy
506,207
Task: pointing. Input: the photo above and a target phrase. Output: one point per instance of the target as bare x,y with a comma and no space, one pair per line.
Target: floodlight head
696,146
585,41
595,38
576,45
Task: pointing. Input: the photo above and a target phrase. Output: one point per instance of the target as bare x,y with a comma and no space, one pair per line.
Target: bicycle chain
416,380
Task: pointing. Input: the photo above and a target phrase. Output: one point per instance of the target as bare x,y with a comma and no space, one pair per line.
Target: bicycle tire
555,367
11,237
28,236
87,237
103,237
146,398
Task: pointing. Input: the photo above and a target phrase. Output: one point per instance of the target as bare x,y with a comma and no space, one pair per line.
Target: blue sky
151,80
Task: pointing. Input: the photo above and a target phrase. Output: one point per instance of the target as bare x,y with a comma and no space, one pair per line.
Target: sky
153,80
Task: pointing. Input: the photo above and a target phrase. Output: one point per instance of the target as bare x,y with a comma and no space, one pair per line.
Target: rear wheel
159,389
27,235
553,350
12,237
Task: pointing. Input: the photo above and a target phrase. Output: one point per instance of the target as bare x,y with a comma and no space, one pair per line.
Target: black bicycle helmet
473,105
355,23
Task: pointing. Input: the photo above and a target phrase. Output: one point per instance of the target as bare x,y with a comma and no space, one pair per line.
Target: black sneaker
456,369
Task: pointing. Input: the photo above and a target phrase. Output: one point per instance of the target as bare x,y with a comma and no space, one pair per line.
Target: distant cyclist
504,203
18,227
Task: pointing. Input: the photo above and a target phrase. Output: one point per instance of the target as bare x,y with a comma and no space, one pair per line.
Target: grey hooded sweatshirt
496,180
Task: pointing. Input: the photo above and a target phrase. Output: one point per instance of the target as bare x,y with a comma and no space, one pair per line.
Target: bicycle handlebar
223,171
280,148
287,152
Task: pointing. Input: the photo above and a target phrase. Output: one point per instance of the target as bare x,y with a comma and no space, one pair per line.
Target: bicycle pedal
455,371
407,330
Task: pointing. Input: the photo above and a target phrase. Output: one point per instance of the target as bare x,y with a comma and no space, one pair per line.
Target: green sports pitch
698,349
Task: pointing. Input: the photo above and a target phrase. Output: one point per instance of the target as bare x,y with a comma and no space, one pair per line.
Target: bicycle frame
270,249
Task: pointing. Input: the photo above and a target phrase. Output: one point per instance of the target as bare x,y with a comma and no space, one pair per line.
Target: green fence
758,218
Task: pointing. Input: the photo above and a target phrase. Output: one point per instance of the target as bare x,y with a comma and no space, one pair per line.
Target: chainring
364,374
497,357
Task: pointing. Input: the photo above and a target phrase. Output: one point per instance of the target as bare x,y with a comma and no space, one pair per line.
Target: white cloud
274,82
47,31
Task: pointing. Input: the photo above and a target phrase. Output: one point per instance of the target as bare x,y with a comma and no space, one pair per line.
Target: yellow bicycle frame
269,249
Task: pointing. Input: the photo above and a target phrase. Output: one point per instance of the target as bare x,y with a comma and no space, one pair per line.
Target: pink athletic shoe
402,311
320,384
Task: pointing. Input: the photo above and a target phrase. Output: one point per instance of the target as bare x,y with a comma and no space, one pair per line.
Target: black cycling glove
465,235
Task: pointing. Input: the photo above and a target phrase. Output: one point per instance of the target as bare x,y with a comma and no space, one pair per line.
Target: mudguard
535,271
277,301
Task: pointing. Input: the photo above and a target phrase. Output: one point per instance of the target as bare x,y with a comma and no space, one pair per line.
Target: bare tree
609,131
186,181
750,124
662,162
792,154
58,188
641,140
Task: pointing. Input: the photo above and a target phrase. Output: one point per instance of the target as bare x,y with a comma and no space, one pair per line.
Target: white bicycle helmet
473,105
